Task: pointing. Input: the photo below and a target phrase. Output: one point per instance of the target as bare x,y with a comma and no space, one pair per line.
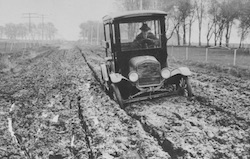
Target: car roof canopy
132,14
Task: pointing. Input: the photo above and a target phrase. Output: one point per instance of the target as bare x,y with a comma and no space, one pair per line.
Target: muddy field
52,106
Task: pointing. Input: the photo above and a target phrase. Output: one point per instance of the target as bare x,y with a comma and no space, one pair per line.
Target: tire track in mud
234,101
113,133
189,128
240,121
85,128
165,144
223,91
138,142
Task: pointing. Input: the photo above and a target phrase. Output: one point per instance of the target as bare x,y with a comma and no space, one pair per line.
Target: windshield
140,35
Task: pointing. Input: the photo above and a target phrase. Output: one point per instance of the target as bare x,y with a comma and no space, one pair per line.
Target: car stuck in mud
136,66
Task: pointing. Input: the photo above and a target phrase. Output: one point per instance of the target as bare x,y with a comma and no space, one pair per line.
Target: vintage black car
136,65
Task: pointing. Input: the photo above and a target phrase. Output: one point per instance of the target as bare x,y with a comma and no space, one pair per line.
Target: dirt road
52,106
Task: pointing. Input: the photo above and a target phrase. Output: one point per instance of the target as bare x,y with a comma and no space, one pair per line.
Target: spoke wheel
184,87
116,95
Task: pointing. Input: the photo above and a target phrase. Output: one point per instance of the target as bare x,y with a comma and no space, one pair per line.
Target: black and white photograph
124,79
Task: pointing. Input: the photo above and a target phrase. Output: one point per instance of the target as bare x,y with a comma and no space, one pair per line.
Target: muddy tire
184,87
104,85
116,95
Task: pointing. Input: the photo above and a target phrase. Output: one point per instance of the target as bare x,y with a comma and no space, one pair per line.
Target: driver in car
145,38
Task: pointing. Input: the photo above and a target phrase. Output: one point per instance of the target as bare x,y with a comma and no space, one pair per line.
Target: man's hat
145,27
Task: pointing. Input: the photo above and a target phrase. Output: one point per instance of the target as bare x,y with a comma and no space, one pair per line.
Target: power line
30,16
35,15
42,16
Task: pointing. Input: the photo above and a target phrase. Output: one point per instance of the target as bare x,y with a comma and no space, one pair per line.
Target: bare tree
1,32
11,31
229,12
221,27
210,26
29,31
22,31
50,31
200,10
40,30
129,5
177,30
90,30
224,14
244,19
176,22
214,18
179,11
170,29
32,32
84,30
185,9
191,20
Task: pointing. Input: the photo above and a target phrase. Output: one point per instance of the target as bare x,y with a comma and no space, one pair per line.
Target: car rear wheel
116,95
184,87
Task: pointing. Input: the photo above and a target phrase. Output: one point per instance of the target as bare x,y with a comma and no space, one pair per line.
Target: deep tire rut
165,144
183,128
60,111
86,130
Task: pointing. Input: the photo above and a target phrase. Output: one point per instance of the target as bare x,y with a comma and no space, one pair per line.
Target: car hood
135,61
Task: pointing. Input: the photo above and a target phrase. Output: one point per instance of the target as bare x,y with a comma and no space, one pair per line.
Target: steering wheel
147,43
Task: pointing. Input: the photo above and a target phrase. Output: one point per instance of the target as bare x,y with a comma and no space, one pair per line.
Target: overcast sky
66,15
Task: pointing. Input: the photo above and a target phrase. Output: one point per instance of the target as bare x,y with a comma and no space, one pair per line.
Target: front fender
116,77
181,70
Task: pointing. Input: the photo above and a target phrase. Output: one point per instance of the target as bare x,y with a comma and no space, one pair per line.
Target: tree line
28,31
215,18
92,31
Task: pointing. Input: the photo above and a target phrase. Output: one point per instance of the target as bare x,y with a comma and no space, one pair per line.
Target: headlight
165,73
133,76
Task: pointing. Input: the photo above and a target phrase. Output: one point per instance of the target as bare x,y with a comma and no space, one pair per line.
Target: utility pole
91,34
155,4
141,4
43,17
30,16
97,38
42,26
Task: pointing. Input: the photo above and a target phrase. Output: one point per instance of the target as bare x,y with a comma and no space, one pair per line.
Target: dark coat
151,36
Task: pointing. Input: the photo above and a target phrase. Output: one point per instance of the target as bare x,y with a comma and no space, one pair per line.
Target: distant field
221,56
7,46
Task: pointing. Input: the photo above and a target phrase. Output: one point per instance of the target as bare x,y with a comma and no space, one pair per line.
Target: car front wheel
184,87
116,95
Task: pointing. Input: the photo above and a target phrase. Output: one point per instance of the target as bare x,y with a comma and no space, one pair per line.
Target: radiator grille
149,74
